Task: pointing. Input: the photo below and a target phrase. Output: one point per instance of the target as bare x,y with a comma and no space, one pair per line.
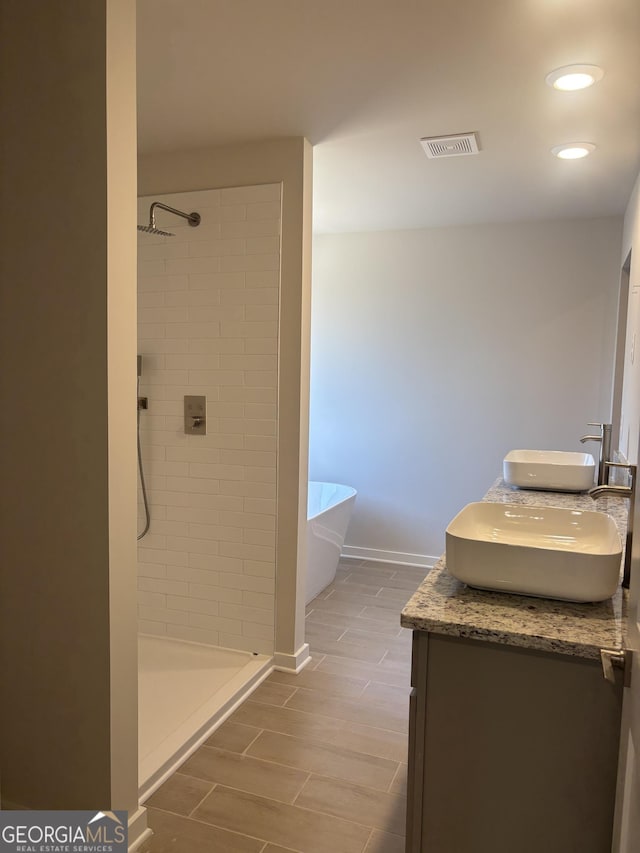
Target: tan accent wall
122,348
67,338
287,161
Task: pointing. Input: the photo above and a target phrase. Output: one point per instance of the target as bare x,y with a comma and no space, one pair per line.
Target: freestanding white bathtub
329,508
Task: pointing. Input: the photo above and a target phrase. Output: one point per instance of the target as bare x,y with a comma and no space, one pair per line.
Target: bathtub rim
352,494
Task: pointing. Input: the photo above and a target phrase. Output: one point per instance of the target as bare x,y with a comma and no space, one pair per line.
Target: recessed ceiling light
573,150
569,78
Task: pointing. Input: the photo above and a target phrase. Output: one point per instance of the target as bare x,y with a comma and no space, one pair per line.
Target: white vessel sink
554,470
529,550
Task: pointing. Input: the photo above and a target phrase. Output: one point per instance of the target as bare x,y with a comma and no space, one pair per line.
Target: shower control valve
195,415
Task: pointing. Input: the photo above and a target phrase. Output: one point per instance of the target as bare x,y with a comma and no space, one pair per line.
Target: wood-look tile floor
313,763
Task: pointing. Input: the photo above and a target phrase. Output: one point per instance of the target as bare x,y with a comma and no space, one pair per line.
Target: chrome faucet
625,492
605,450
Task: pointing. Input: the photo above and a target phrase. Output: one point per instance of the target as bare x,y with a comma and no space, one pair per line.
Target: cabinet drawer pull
618,658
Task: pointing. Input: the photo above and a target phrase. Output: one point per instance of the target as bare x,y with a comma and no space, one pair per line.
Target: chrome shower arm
192,218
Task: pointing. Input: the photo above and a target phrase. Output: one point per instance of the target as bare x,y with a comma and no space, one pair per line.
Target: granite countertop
444,605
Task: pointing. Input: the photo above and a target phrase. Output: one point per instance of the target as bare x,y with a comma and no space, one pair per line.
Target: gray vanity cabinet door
518,752
417,731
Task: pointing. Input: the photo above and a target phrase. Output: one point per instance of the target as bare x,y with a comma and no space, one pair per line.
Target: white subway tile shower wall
208,324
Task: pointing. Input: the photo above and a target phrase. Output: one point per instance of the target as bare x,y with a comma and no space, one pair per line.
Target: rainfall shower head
150,229
192,218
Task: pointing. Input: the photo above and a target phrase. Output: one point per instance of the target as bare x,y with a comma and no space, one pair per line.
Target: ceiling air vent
457,145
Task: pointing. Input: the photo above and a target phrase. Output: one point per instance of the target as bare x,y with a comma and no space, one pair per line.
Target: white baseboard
138,829
355,552
292,663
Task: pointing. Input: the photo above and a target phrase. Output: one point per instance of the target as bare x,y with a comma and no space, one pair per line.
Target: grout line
370,838
318,660
361,694
326,625
302,787
303,770
203,822
284,704
273,704
308,809
347,723
268,761
375,703
244,751
344,722
379,676
395,776
213,787
335,817
170,811
311,773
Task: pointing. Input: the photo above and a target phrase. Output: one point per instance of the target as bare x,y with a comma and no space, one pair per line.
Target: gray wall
434,352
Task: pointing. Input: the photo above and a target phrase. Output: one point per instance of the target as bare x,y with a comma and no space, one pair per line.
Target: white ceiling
363,80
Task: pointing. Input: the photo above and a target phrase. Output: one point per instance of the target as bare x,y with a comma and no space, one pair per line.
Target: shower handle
195,415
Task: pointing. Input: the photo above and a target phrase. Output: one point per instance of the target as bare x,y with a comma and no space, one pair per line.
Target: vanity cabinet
511,750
